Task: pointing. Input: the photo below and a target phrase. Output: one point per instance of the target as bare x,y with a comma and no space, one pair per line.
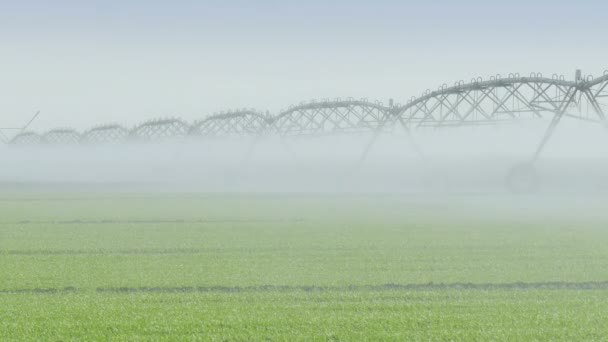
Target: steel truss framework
61,136
246,122
330,117
495,101
105,134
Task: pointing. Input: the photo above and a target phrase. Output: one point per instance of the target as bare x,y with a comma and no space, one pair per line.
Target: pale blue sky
89,62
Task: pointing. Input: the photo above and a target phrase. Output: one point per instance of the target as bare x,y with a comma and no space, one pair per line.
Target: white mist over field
446,160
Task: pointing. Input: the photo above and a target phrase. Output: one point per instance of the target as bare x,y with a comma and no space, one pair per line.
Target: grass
141,266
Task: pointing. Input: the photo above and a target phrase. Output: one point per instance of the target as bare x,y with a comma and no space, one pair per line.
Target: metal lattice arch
159,130
501,100
26,138
105,134
245,122
330,117
61,136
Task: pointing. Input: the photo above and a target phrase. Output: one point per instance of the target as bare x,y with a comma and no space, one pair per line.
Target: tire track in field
151,221
597,285
592,285
68,289
42,252
110,252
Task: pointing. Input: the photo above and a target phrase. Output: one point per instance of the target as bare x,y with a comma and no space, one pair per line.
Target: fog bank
447,160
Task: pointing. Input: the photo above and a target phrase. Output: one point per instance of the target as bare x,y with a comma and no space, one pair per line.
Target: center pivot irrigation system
495,101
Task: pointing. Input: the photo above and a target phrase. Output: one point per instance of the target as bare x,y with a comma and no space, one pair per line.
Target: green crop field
165,266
